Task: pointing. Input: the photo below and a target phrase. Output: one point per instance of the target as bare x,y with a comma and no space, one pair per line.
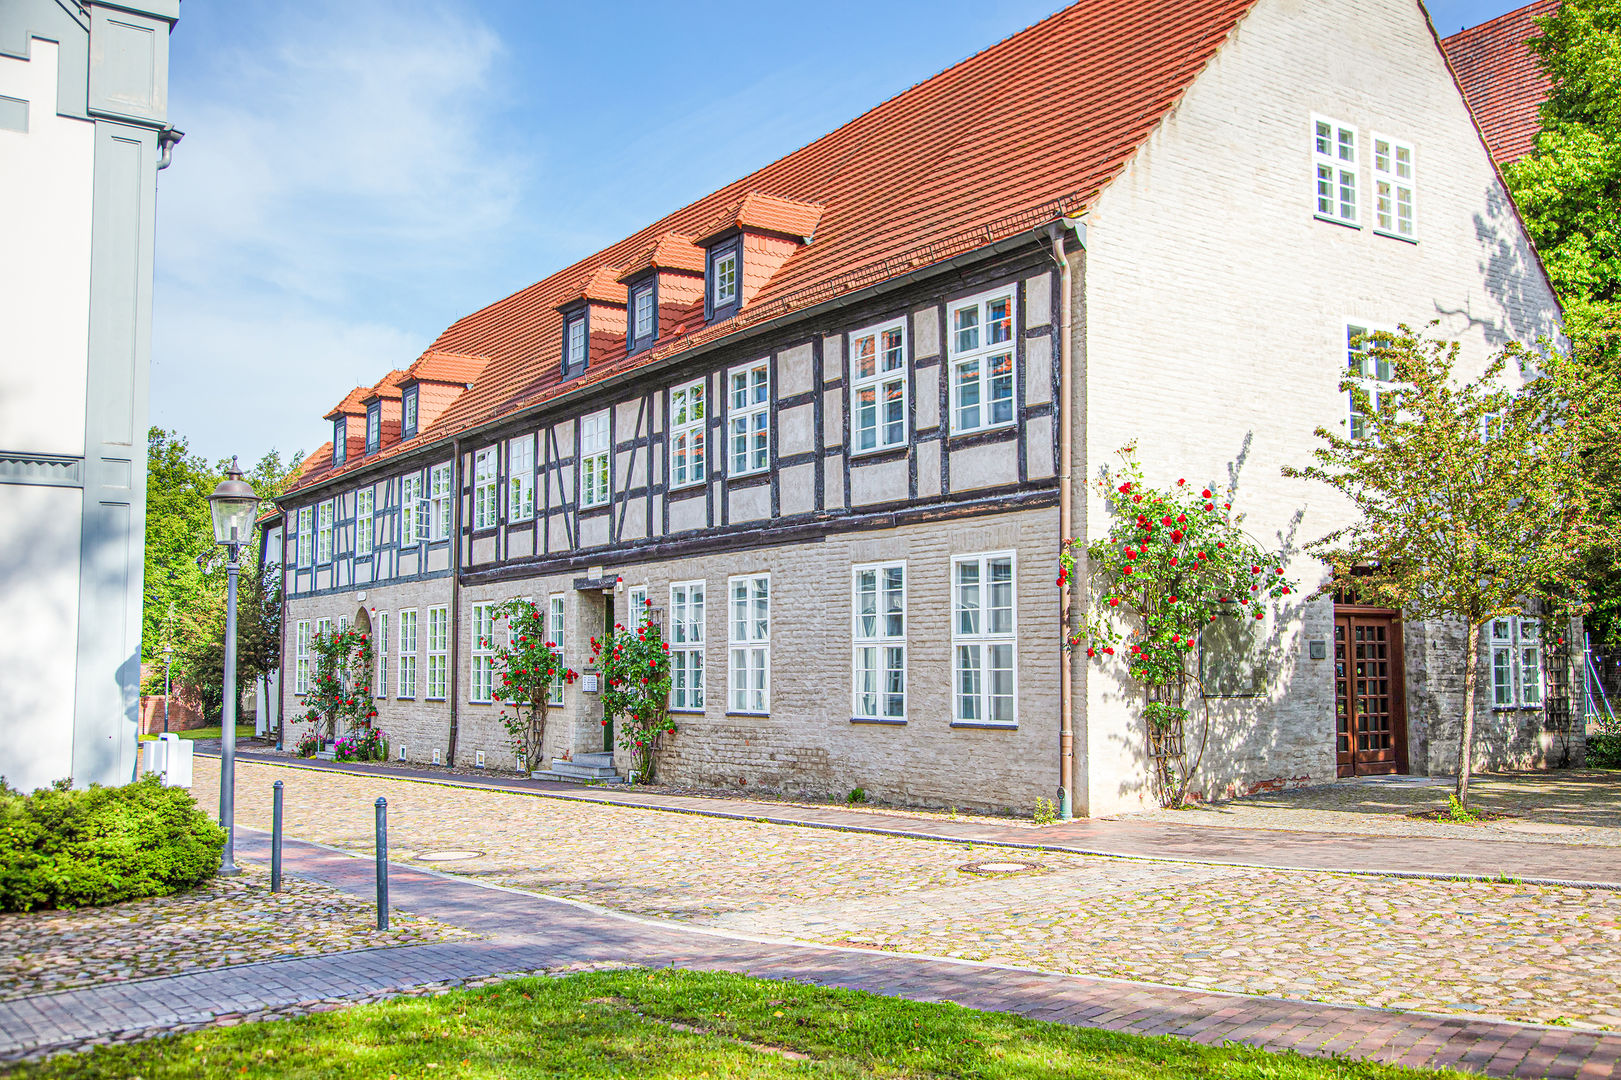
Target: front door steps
596,767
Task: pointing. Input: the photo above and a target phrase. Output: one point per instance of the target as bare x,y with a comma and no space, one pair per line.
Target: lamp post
233,505
167,653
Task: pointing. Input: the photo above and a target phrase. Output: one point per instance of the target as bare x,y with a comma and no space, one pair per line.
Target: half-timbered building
832,421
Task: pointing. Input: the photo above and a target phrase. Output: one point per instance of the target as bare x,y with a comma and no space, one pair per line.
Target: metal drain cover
448,856
1002,866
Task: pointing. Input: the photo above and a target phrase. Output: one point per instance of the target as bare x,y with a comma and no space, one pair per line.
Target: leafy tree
1472,498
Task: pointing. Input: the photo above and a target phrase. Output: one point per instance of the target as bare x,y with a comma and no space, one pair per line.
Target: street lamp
167,653
234,505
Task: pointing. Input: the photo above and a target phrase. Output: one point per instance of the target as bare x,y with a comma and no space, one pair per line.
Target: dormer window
644,315
725,267
340,440
576,338
374,427
408,414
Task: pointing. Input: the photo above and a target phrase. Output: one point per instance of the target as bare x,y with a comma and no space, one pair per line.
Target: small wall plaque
588,682
1318,649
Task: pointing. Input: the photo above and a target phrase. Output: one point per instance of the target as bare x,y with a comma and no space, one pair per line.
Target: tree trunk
1466,739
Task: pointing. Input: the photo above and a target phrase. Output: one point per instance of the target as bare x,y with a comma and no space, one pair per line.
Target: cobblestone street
1470,948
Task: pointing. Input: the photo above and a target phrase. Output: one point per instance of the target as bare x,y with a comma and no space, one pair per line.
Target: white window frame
406,684
486,487
555,626
365,511
979,353
577,346
885,346
1330,171
301,657
1375,381
748,418
749,644
685,636
323,532
413,509
409,401
1516,663
636,601
978,637
724,289
437,685
638,295
521,478
340,440
688,433
381,689
1394,215
596,459
440,492
878,643
304,543
481,681
374,430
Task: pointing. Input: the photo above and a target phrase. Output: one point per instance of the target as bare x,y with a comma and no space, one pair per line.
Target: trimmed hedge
65,849
1604,751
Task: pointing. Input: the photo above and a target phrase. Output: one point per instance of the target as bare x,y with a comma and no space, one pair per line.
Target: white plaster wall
39,606
1215,324
45,182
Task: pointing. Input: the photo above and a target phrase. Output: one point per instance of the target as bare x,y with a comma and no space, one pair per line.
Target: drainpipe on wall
454,659
1066,514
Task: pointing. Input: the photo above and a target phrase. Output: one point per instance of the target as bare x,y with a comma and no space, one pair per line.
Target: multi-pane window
323,532
438,651
1516,661
879,632
687,419
323,628
485,468
521,478
982,361
382,655
413,509
301,657
982,639
750,634
1393,184
408,655
594,455
1333,155
408,413
374,428
340,440
483,652
686,641
643,315
306,538
1375,372
365,506
878,388
723,276
554,634
749,417
439,500
575,346
638,605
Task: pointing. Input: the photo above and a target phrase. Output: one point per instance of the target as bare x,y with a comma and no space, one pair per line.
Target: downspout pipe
1066,511
454,660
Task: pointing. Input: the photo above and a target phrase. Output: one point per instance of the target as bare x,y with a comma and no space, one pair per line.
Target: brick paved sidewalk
528,932
1403,856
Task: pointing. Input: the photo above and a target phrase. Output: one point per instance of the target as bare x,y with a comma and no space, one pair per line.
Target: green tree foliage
1471,497
185,572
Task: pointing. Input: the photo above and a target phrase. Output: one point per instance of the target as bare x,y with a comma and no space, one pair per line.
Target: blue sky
356,176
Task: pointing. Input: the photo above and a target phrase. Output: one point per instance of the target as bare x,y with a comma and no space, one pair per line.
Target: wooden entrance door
1370,700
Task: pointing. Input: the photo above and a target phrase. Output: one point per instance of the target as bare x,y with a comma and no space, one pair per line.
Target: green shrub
64,849
1604,751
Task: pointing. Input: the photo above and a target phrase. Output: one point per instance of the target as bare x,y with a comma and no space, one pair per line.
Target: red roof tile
1501,79
439,366
387,388
1029,129
672,251
767,213
353,404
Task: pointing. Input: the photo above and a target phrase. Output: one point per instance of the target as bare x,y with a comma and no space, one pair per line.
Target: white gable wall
1216,307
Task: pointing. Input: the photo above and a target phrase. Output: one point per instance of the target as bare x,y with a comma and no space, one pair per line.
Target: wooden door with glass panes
1370,699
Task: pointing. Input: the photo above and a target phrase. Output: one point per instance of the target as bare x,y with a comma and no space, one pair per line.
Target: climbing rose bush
528,667
341,686
635,666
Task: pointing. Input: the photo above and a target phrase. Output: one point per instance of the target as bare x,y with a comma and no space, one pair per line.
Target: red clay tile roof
388,387
1501,80
766,213
672,251
1025,131
439,366
601,285
351,405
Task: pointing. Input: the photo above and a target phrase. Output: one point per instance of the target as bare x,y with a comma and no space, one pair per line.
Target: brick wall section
1215,335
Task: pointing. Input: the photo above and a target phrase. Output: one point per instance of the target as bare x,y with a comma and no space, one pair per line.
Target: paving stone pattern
1472,948
225,921
525,933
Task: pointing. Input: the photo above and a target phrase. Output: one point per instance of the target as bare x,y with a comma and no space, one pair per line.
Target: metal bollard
382,863
275,837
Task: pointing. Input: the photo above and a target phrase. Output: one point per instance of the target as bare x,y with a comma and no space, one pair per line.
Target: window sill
701,711
1338,221
1397,236
964,432
885,721
750,474
985,725
881,453
433,699
756,715
687,485
584,509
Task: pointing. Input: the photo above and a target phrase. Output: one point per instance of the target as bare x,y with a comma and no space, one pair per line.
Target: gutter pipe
1066,511
454,659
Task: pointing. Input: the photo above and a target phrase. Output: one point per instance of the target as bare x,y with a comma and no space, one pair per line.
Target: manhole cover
1002,866
448,856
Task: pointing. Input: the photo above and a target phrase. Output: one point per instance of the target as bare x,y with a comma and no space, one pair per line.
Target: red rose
1173,560
1091,651
1255,569
1171,600
1280,569
1209,506
1136,498
1258,615
1201,555
1125,489
1221,543
1181,518
1180,483
1176,536
1127,571
1205,494
1226,506
1109,650
1114,601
